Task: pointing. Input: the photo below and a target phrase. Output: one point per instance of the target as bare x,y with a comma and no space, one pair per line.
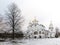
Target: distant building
36,30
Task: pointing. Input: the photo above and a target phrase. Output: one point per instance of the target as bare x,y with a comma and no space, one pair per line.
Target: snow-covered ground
46,41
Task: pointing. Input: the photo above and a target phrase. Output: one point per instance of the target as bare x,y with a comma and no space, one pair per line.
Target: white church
36,30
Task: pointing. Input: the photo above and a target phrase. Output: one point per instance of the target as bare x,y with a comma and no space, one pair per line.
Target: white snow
46,41
52,41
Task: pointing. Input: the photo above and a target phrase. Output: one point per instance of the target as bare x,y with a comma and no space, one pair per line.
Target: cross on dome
35,20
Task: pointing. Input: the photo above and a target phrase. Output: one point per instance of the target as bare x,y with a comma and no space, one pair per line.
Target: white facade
36,30
51,29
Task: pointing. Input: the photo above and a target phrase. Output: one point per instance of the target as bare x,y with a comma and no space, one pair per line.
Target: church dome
34,21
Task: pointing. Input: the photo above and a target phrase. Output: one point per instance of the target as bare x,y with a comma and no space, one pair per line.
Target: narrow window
39,32
35,32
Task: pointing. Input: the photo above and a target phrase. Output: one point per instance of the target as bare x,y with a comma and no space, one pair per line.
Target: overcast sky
44,10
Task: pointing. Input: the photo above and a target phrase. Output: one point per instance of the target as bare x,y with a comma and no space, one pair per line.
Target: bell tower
51,26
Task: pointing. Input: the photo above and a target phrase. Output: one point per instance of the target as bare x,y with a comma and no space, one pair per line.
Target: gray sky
44,10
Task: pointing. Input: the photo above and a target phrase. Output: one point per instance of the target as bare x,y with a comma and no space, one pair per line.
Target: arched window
42,32
35,32
39,32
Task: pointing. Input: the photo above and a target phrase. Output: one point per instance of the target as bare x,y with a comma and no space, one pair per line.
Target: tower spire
51,26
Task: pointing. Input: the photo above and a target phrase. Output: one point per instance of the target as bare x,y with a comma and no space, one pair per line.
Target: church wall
38,30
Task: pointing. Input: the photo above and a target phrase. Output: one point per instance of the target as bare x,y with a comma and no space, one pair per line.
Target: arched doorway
39,36
35,37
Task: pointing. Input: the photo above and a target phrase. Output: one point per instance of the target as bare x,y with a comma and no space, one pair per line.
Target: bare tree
14,18
1,24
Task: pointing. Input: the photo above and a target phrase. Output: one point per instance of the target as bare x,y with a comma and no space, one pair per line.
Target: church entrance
35,37
39,36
